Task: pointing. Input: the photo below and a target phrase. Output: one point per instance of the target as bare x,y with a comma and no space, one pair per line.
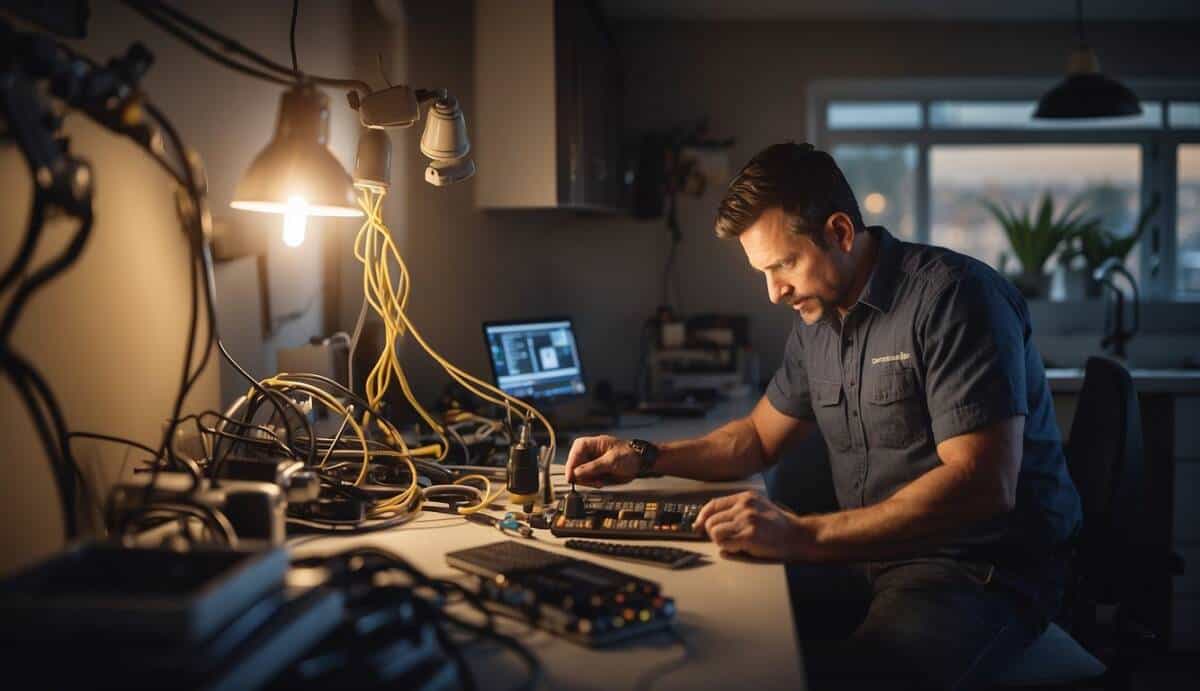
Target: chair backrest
1105,459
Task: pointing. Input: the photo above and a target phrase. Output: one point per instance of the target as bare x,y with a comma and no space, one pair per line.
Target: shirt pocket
897,415
830,413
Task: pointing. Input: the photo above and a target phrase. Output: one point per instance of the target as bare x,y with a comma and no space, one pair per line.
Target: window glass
1018,115
873,115
1184,115
884,180
1188,200
961,177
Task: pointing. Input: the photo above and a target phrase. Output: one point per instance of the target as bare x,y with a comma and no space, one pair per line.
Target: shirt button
853,413
851,383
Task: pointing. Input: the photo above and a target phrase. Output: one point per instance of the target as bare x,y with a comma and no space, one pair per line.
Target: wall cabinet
548,101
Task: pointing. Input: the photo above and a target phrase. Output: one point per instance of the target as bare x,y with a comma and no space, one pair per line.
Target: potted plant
1095,244
1034,237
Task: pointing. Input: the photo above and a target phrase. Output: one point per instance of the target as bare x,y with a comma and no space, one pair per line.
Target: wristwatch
647,455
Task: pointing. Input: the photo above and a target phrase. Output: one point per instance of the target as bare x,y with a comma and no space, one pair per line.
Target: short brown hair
802,180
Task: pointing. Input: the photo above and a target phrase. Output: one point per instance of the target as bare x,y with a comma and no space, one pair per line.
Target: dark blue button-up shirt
938,345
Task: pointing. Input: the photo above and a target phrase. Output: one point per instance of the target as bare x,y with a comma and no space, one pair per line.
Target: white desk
735,615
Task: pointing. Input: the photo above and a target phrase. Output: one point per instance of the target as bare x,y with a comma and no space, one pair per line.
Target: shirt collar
881,287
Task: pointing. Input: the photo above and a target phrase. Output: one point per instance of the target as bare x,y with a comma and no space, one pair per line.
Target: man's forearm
730,452
932,510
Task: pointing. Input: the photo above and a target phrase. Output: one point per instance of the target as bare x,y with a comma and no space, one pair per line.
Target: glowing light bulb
294,221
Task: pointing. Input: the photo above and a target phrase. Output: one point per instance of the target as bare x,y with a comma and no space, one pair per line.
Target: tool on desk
507,524
584,602
625,515
670,557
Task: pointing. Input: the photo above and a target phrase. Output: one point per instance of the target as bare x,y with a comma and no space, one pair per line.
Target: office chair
1116,558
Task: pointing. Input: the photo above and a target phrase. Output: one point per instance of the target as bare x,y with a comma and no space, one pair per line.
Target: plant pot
1032,286
1078,284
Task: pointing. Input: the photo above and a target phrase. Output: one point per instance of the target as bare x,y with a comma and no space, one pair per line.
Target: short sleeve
973,343
788,391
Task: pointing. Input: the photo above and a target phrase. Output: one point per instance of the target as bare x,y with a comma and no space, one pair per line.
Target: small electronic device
584,602
670,557
119,593
535,359
623,515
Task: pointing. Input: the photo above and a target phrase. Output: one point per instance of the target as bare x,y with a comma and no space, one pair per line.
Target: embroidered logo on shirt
898,357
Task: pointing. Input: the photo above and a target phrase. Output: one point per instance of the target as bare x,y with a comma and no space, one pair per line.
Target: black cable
53,449
291,77
113,439
348,528
33,232
228,43
43,275
292,35
144,10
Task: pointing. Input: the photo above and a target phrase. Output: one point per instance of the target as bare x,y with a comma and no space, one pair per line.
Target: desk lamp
296,174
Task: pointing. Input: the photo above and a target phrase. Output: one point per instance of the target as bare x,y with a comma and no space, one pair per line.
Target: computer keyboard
670,557
628,516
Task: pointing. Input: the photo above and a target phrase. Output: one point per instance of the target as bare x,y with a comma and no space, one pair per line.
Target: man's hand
751,524
603,460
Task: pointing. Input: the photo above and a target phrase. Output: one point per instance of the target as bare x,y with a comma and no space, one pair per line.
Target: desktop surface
734,613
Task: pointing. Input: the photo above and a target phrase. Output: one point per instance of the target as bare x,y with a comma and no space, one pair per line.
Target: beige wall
109,335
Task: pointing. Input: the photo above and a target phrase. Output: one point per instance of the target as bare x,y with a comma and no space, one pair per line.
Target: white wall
109,335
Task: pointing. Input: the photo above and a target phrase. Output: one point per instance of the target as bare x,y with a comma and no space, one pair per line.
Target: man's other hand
602,460
751,524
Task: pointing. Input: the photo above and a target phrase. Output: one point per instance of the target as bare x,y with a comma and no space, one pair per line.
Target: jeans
929,623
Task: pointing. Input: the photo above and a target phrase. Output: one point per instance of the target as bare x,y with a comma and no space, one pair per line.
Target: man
918,367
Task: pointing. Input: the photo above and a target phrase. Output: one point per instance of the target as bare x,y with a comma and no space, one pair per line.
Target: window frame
1159,147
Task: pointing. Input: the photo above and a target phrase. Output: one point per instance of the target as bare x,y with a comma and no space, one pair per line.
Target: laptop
536,360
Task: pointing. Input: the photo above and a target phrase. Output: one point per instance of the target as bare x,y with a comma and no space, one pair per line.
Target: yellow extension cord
373,246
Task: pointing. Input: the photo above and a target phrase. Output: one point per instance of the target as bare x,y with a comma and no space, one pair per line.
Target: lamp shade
1086,93
297,169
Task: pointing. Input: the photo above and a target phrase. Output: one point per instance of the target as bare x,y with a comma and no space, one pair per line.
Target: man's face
812,280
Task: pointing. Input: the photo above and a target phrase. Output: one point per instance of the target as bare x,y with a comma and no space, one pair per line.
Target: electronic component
112,592
670,557
573,505
153,619
622,515
579,600
256,510
522,475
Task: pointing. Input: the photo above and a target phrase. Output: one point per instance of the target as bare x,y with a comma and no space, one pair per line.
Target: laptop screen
535,359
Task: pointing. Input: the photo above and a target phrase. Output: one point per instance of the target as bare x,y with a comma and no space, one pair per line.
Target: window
922,155
1188,220
1017,175
1184,115
880,115
884,179
1018,115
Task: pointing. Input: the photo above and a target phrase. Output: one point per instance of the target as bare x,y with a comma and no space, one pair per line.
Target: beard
817,307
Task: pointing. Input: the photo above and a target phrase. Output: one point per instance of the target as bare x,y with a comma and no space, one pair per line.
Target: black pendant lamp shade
296,170
1086,93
